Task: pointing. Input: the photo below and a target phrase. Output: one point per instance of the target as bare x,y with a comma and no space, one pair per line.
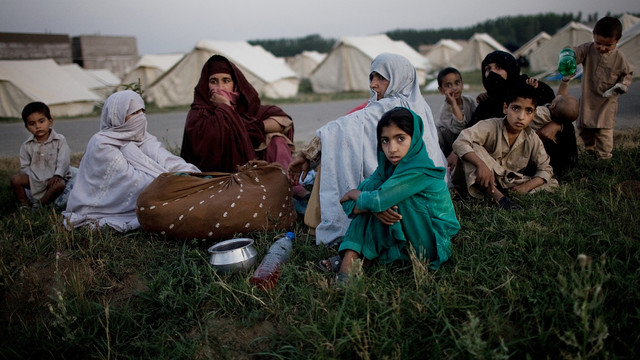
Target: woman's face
496,69
222,81
378,84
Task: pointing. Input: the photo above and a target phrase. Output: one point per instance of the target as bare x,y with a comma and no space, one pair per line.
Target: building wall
117,53
21,46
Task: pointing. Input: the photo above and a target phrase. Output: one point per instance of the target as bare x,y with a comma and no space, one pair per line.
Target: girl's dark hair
35,107
400,117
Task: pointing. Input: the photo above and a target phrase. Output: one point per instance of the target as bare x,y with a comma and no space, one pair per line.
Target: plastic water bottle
567,62
268,272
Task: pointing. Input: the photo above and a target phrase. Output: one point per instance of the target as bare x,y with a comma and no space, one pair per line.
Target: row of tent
168,80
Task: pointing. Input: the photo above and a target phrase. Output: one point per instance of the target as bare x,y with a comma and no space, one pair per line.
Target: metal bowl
233,255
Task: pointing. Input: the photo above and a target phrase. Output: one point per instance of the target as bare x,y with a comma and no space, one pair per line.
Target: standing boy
606,75
44,159
455,112
505,153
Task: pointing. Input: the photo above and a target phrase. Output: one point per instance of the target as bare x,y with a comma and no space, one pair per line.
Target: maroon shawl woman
219,137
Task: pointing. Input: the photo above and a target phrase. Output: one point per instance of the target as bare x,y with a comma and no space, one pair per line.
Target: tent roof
261,63
163,62
629,34
473,52
373,46
82,76
45,81
628,21
105,76
532,44
442,53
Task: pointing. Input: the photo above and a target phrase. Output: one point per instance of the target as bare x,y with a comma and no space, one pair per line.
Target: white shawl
349,143
119,162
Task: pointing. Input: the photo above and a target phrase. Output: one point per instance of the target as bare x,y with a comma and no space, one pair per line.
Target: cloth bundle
218,206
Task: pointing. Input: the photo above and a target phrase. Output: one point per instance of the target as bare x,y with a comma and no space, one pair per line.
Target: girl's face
395,143
378,84
496,69
222,81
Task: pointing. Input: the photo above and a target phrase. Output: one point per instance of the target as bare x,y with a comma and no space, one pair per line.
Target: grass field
558,280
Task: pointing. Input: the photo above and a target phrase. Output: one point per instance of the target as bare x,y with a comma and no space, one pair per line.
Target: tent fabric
270,76
102,82
545,58
150,67
532,45
442,53
629,44
25,81
473,52
304,63
346,67
628,21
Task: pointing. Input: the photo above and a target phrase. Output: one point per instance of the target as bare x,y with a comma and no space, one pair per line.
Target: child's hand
482,97
615,89
350,195
298,169
389,216
452,161
484,176
55,180
533,82
549,131
449,97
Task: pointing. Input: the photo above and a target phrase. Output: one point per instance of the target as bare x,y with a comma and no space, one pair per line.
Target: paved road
308,117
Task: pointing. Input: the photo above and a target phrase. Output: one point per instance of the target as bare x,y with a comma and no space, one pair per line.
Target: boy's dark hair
446,71
35,107
400,117
608,27
522,90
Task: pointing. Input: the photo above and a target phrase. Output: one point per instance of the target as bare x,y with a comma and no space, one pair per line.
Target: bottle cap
290,235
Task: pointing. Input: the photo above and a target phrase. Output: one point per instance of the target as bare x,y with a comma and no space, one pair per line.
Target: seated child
404,203
455,112
505,153
554,125
44,159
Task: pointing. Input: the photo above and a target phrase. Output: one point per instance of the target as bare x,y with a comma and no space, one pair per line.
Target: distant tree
291,47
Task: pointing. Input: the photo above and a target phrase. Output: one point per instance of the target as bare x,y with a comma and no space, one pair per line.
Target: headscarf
114,112
219,137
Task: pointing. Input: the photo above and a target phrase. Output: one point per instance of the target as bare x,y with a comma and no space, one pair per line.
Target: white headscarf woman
119,162
349,143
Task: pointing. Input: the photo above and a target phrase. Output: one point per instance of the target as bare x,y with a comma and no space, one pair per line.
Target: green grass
559,280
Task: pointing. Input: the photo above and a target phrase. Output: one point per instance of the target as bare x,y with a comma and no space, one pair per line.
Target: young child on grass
553,123
44,159
405,203
505,153
455,112
606,75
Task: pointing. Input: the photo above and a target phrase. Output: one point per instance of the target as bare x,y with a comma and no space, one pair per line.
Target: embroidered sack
215,205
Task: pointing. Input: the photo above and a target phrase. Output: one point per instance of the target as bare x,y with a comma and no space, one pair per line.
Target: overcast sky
176,26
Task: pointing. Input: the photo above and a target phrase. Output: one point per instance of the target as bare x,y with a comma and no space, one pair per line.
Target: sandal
331,264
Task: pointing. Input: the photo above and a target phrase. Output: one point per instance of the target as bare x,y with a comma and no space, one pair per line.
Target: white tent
628,21
25,81
150,67
629,44
270,76
532,45
347,66
471,56
305,62
102,82
545,58
441,55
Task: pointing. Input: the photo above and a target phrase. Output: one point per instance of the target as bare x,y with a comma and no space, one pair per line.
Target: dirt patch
38,284
630,189
228,341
